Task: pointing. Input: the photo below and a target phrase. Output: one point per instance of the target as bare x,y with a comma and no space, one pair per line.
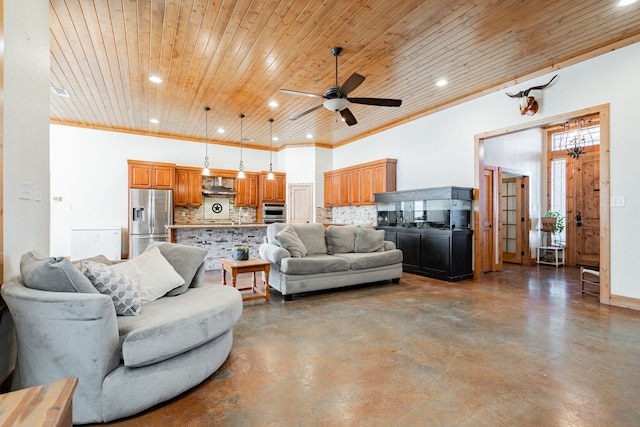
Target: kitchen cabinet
273,190
188,186
247,190
432,228
160,176
356,185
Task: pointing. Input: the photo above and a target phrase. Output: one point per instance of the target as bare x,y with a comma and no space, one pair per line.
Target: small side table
252,265
558,255
44,405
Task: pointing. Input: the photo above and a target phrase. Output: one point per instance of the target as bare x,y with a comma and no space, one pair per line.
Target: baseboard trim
625,302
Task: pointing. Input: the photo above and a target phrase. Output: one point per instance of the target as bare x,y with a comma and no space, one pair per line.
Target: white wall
26,129
439,149
436,150
89,172
525,153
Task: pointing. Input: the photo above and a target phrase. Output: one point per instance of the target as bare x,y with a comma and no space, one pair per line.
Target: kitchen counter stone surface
216,225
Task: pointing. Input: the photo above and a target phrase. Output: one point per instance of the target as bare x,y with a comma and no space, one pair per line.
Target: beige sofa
308,257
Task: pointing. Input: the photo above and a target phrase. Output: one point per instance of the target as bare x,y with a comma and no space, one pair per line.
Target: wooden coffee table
252,265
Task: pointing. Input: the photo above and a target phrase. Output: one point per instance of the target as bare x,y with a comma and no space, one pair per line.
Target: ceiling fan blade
305,112
382,102
348,117
295,92
351,83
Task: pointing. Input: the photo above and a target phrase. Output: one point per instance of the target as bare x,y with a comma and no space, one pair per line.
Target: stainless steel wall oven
273,212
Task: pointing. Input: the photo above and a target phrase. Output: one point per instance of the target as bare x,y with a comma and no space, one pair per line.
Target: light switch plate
617,201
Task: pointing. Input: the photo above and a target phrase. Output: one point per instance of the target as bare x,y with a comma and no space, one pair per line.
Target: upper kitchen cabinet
151,175
356,185
273,190
188,186
247,190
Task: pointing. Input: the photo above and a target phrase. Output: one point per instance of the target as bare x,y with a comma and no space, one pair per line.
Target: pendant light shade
241,166
270,175
205,169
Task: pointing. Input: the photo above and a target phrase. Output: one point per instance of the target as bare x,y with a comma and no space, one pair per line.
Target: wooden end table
252,265
44,405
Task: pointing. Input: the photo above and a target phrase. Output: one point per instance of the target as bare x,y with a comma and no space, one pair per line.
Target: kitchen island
219,238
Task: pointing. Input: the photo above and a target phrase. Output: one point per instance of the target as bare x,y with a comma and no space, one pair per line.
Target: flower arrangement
553,222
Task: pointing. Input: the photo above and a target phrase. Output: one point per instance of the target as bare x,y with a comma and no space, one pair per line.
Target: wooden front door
584,215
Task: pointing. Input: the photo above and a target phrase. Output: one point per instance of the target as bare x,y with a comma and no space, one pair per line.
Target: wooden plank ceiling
234,55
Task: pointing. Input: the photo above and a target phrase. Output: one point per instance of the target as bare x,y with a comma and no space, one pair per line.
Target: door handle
579,220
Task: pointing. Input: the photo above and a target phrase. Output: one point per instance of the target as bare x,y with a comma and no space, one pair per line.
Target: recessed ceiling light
273,104
441,82
626,2
60,91
154,121
309,136
220,130
155,79
275,138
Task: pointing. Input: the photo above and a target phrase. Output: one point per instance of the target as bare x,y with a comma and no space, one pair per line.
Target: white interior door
300,202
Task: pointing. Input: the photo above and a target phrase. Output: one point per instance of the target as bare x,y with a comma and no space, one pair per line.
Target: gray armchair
125,364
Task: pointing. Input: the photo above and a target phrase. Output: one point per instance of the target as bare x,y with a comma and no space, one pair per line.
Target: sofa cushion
312,264
54,274
369,240
185,260
312,235
341,238
122,289
153,274
288,239
172,326
362,261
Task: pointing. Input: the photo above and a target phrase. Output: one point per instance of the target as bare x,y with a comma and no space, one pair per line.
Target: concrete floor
521,347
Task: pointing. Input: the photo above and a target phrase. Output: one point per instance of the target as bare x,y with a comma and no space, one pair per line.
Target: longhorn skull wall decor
528,104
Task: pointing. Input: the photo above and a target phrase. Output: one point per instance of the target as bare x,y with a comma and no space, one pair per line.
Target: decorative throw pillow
98,258
369,240
184,259
341,239
153,274
288,239
122,290
54,274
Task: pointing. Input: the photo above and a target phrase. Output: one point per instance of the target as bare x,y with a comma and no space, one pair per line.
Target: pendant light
241,167
205,169
270,175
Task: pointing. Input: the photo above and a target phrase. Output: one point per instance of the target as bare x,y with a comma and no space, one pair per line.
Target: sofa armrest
389,246
61,335
273,253
198,278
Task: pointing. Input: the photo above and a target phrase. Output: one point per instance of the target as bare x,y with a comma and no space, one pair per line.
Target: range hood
217,189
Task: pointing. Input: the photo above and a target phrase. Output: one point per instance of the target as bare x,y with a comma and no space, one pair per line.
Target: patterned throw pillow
122,290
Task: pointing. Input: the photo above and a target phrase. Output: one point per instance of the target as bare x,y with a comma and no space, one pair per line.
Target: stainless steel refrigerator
149,212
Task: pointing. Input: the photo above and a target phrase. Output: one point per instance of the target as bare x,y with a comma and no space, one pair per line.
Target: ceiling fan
337,99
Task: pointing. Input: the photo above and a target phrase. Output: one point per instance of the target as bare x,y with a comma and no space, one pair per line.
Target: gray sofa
125,363
309,257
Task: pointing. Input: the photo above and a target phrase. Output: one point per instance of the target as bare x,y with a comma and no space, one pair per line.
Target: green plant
558,225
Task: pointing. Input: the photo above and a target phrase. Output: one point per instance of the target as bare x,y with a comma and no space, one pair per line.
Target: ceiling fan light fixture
336,104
